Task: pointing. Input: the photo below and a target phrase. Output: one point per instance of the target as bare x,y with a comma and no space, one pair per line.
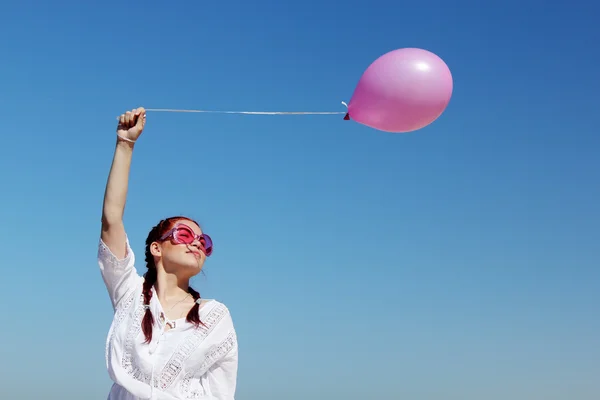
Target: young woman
164,341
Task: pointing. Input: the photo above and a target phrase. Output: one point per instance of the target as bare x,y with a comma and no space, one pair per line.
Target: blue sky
460,261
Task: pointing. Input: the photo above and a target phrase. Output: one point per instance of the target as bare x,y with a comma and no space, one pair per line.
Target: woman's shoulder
215,311
213,304
216,317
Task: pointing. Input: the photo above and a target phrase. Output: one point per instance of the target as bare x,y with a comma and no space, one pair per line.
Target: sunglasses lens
184,235
207,243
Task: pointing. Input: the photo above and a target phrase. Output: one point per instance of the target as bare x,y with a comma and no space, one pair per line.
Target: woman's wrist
122,141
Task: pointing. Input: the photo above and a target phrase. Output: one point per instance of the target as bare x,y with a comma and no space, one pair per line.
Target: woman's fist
131,124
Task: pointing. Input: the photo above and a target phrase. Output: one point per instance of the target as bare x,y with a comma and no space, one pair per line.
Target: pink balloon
402,91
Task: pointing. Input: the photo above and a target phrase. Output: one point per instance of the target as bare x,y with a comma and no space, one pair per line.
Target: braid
194,314
148,320
150,279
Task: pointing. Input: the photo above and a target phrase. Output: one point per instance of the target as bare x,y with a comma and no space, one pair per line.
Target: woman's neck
170,288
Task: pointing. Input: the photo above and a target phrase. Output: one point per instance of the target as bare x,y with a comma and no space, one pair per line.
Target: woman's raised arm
130,126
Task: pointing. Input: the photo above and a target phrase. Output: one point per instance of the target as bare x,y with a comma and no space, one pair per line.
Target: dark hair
150,278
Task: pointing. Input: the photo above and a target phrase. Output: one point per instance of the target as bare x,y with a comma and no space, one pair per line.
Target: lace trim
188,346
118,319
216,354
134,330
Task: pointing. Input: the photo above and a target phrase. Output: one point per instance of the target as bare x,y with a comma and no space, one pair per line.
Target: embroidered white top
184,362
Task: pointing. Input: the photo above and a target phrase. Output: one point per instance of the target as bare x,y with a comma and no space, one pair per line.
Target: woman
164,341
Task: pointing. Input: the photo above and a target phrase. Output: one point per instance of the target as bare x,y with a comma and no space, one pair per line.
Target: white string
248,112
251,112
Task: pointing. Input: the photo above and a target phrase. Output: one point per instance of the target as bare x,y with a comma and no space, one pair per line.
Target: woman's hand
131,124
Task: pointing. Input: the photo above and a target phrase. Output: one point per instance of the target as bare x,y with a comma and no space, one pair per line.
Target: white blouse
184,362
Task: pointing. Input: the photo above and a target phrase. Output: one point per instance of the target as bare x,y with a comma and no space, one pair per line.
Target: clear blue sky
458,262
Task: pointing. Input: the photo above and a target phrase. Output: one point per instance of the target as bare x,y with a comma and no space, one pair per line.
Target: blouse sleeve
222,375
119,275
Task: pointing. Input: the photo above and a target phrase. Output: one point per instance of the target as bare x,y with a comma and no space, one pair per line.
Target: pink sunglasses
183,234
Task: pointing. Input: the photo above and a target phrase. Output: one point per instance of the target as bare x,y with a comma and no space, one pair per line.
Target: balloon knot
347,117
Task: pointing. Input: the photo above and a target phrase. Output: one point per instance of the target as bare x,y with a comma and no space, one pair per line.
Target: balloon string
248,112
252,112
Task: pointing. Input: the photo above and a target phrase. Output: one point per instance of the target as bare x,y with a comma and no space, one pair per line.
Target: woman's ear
155,249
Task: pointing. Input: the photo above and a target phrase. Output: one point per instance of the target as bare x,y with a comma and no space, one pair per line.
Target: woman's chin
196,266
